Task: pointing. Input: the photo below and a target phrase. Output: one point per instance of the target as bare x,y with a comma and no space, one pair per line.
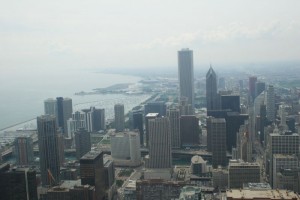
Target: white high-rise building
119,117
186,75
125,148
270,103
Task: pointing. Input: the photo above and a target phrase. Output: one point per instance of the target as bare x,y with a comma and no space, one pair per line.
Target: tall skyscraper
259,88
82,142
189,130
231,102
252,82
160,155
17,183
186,75
62,109
174,117
211,89
92,172
217,134
184,107
138,123
147,118
98,119
271,104
49,150
119,117
24,150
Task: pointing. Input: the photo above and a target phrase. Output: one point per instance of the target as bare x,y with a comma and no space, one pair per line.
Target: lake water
23,92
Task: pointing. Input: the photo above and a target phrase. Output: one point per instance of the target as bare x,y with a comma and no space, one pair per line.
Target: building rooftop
285,156
152,114
197,159
261,194
92,155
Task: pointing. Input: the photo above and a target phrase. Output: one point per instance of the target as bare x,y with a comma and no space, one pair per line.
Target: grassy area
126,172
119,183
105,141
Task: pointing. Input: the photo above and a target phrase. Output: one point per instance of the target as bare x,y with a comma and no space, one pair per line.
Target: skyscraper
50,107
231,102
217,134
62,109
189,130
184,107
17,183
24,150
147,118
211,89
156,107
160,155
119,117
92,172
252,82
186,75
48,148
174,117
138,123
259,88
82,142
271,103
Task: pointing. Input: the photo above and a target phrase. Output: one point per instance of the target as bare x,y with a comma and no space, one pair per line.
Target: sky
140,34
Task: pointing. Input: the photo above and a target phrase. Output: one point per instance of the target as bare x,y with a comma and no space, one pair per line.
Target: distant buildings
252,82
125,148
270,103
119,117
186,75
160,155
49,149
24,150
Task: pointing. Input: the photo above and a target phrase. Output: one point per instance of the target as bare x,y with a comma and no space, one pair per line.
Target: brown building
261,194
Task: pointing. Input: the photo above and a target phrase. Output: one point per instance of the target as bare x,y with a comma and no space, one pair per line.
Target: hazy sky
37,34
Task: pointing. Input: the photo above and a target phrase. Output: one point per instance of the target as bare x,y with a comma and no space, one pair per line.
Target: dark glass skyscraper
211,89
49,150
138,123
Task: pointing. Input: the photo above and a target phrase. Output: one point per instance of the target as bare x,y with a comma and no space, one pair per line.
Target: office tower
160,155
220,178
147,118
138,123
125,148
92,172
252,82
211,89
64,112
50,107
259,88
119,117
156,107
270,103
49,149
109,173
77,121
244,144
283,162
94,119
17,183
186,75
216,130
287,143
230,102
82,142
174,114
283,114
98,119
189,130
242,172
23,150
184,107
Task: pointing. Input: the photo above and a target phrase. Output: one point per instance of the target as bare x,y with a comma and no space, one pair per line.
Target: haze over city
108,35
